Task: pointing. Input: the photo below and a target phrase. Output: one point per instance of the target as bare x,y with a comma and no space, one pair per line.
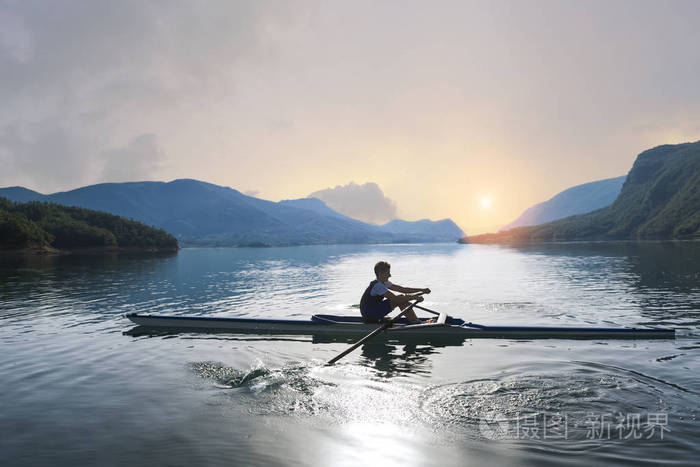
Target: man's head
382,270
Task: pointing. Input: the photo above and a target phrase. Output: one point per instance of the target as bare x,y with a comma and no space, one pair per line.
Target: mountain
203,214
21,194
315,205
445,230
576,200
659,200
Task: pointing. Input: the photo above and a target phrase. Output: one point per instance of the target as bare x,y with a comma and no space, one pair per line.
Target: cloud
139,160
362,202
15,39
78,79
32,153
278,95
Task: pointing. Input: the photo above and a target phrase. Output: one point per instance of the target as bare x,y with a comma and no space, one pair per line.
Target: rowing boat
355,326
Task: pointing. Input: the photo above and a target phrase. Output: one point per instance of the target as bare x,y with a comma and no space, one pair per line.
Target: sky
469,110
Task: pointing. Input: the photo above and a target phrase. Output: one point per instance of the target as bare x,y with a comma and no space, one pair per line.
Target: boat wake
569,406
229,378
583,401
276,391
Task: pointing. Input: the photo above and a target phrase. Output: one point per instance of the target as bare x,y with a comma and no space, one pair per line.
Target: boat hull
353,326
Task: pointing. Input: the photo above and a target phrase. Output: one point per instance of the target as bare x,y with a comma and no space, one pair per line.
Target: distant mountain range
659,200
203,214
576,200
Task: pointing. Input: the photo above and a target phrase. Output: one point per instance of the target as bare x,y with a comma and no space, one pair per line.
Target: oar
372,334
429,311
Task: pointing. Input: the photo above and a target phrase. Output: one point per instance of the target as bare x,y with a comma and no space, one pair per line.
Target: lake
78,389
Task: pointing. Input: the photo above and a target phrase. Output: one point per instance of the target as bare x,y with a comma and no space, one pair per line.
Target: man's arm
400,299
398,288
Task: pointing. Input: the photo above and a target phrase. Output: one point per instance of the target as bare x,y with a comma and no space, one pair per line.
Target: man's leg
410,314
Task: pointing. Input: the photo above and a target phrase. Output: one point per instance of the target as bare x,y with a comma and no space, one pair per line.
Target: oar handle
415,295
370,335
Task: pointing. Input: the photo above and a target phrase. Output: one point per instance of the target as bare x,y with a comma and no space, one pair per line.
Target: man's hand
418,299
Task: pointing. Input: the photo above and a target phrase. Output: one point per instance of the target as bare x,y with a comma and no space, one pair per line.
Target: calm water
76,390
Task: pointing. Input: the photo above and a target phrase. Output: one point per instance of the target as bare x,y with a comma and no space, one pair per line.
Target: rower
378,300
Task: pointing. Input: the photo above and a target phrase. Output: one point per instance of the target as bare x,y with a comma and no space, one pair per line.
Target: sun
485,202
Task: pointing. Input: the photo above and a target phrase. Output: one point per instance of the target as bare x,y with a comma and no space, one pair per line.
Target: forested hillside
48,225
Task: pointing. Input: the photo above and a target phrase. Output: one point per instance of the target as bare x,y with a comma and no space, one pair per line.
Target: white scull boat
354,326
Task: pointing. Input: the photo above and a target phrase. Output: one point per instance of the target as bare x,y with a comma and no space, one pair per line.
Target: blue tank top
368,300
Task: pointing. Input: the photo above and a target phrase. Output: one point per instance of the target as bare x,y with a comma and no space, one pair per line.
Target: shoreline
487,239
51,251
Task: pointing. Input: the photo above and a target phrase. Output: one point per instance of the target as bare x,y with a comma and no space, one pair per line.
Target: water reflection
653,265
661,278
24,275
394,360
393,356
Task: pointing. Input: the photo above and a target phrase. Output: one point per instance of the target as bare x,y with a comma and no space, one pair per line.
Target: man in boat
378,300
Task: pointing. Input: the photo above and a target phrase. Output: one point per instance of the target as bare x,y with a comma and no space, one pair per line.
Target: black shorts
378,311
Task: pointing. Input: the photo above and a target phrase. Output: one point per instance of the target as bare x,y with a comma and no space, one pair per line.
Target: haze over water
78,391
